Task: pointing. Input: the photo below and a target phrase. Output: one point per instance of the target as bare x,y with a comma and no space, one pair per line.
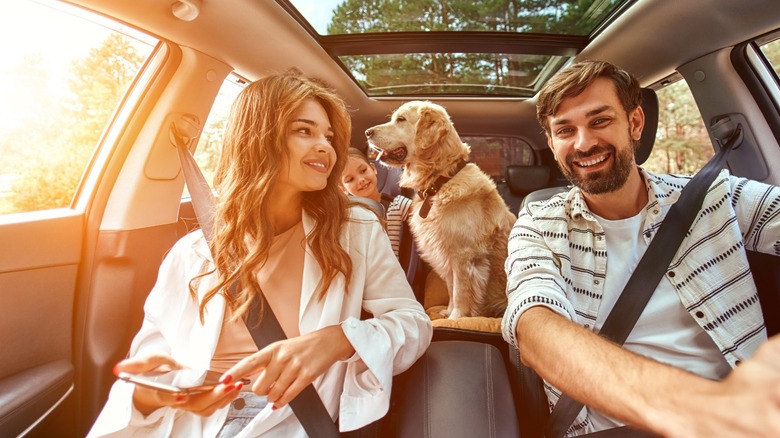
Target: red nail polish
227,378
116,369
181,399
274,407
239,385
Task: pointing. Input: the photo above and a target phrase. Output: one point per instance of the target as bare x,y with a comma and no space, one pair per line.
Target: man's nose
585,140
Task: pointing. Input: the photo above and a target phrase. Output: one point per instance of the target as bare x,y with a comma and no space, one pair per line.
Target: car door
59,88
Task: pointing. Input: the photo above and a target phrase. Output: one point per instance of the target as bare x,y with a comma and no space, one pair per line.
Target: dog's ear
432,127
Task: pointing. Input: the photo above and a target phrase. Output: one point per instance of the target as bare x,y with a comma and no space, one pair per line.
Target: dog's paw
444,312
455,314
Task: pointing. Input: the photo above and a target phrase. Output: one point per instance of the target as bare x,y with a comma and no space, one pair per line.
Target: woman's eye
329,138
303,130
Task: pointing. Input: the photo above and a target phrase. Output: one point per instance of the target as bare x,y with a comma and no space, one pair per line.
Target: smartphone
163,381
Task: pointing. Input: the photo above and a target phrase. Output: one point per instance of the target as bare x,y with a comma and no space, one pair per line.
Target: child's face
359,179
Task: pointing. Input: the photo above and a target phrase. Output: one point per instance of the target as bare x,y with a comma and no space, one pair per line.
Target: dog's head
418,131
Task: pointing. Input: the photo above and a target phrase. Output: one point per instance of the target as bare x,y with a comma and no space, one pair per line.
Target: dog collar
428,194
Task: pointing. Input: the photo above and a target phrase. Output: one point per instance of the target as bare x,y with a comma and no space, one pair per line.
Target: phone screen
163,380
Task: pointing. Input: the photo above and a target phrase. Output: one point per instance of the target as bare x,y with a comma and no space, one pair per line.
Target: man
570,257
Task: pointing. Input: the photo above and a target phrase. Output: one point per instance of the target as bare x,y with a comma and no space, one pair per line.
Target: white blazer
357,391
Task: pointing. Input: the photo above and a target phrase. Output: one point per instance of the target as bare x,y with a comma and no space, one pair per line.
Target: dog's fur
464,237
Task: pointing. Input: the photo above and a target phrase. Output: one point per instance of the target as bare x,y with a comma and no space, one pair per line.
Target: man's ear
636,122
550,145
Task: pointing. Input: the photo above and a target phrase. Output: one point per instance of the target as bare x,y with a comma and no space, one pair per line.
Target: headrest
525,179
650,107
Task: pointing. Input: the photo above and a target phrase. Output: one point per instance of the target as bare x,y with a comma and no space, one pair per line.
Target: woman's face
311,156
359,179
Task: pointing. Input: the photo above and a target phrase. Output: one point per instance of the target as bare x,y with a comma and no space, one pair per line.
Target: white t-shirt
665,331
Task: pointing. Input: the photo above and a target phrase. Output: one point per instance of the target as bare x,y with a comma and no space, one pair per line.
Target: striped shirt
558,259
396,215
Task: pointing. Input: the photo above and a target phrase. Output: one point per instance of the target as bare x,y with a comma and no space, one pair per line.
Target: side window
210,142
771,50
62,74
493,154
682,144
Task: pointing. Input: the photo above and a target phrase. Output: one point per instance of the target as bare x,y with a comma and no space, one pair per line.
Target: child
359,179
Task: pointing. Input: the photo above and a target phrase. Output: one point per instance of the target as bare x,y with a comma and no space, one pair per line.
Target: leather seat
456,389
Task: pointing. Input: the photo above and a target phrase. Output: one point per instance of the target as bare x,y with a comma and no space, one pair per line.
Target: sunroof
493,74
562,17
453,47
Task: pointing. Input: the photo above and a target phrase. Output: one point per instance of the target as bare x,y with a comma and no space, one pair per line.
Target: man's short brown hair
572,80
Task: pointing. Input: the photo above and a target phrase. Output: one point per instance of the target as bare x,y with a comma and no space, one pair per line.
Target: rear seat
388,179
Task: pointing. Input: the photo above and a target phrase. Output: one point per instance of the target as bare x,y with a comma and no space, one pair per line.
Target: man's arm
648,394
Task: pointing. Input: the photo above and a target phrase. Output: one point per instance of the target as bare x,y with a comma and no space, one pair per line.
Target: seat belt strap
307,405
651,267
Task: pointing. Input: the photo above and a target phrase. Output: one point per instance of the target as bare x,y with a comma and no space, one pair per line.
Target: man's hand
745,404
651,395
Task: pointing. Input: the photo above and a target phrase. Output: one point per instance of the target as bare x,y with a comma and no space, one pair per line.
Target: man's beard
603,181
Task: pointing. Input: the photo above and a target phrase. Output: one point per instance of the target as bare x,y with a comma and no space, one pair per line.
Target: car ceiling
651,40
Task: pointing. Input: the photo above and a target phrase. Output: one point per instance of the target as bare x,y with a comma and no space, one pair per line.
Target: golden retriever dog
459,221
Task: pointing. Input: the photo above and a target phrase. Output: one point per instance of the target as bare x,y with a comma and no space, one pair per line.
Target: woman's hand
288,366
148,400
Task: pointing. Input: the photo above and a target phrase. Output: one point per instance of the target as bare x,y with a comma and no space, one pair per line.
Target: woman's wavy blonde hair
253,147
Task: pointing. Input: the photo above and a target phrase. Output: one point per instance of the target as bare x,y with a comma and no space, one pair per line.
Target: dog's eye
400,119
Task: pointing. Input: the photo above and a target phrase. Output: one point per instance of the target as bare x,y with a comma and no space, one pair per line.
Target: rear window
493,154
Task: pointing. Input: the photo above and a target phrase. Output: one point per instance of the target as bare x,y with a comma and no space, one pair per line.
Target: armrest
28,396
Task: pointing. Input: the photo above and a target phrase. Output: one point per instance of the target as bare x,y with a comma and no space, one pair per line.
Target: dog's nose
369,132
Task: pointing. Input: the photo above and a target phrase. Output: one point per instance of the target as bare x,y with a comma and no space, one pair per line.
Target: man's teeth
592,162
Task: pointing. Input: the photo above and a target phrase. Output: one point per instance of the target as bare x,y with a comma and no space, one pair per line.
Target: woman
359,179
283,229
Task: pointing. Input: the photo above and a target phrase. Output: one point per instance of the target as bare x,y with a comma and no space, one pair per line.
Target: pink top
281,280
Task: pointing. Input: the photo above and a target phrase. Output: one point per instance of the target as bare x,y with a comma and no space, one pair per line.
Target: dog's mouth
397,155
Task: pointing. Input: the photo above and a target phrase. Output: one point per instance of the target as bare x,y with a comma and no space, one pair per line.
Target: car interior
75,271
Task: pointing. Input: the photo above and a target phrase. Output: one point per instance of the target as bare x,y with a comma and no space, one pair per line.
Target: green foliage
682,144
57,141
443,69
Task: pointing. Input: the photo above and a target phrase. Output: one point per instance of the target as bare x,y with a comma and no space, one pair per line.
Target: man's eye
564,131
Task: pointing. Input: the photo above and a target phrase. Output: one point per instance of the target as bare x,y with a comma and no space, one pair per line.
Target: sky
318,12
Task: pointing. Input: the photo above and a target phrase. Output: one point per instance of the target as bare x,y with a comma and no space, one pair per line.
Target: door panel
38,268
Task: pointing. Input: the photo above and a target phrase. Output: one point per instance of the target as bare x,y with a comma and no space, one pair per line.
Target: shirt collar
660,193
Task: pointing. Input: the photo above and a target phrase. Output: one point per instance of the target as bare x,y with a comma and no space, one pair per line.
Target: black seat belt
307,405
651,267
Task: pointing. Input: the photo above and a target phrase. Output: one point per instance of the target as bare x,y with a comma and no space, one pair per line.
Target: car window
62,74
682,144
492,153
772,52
